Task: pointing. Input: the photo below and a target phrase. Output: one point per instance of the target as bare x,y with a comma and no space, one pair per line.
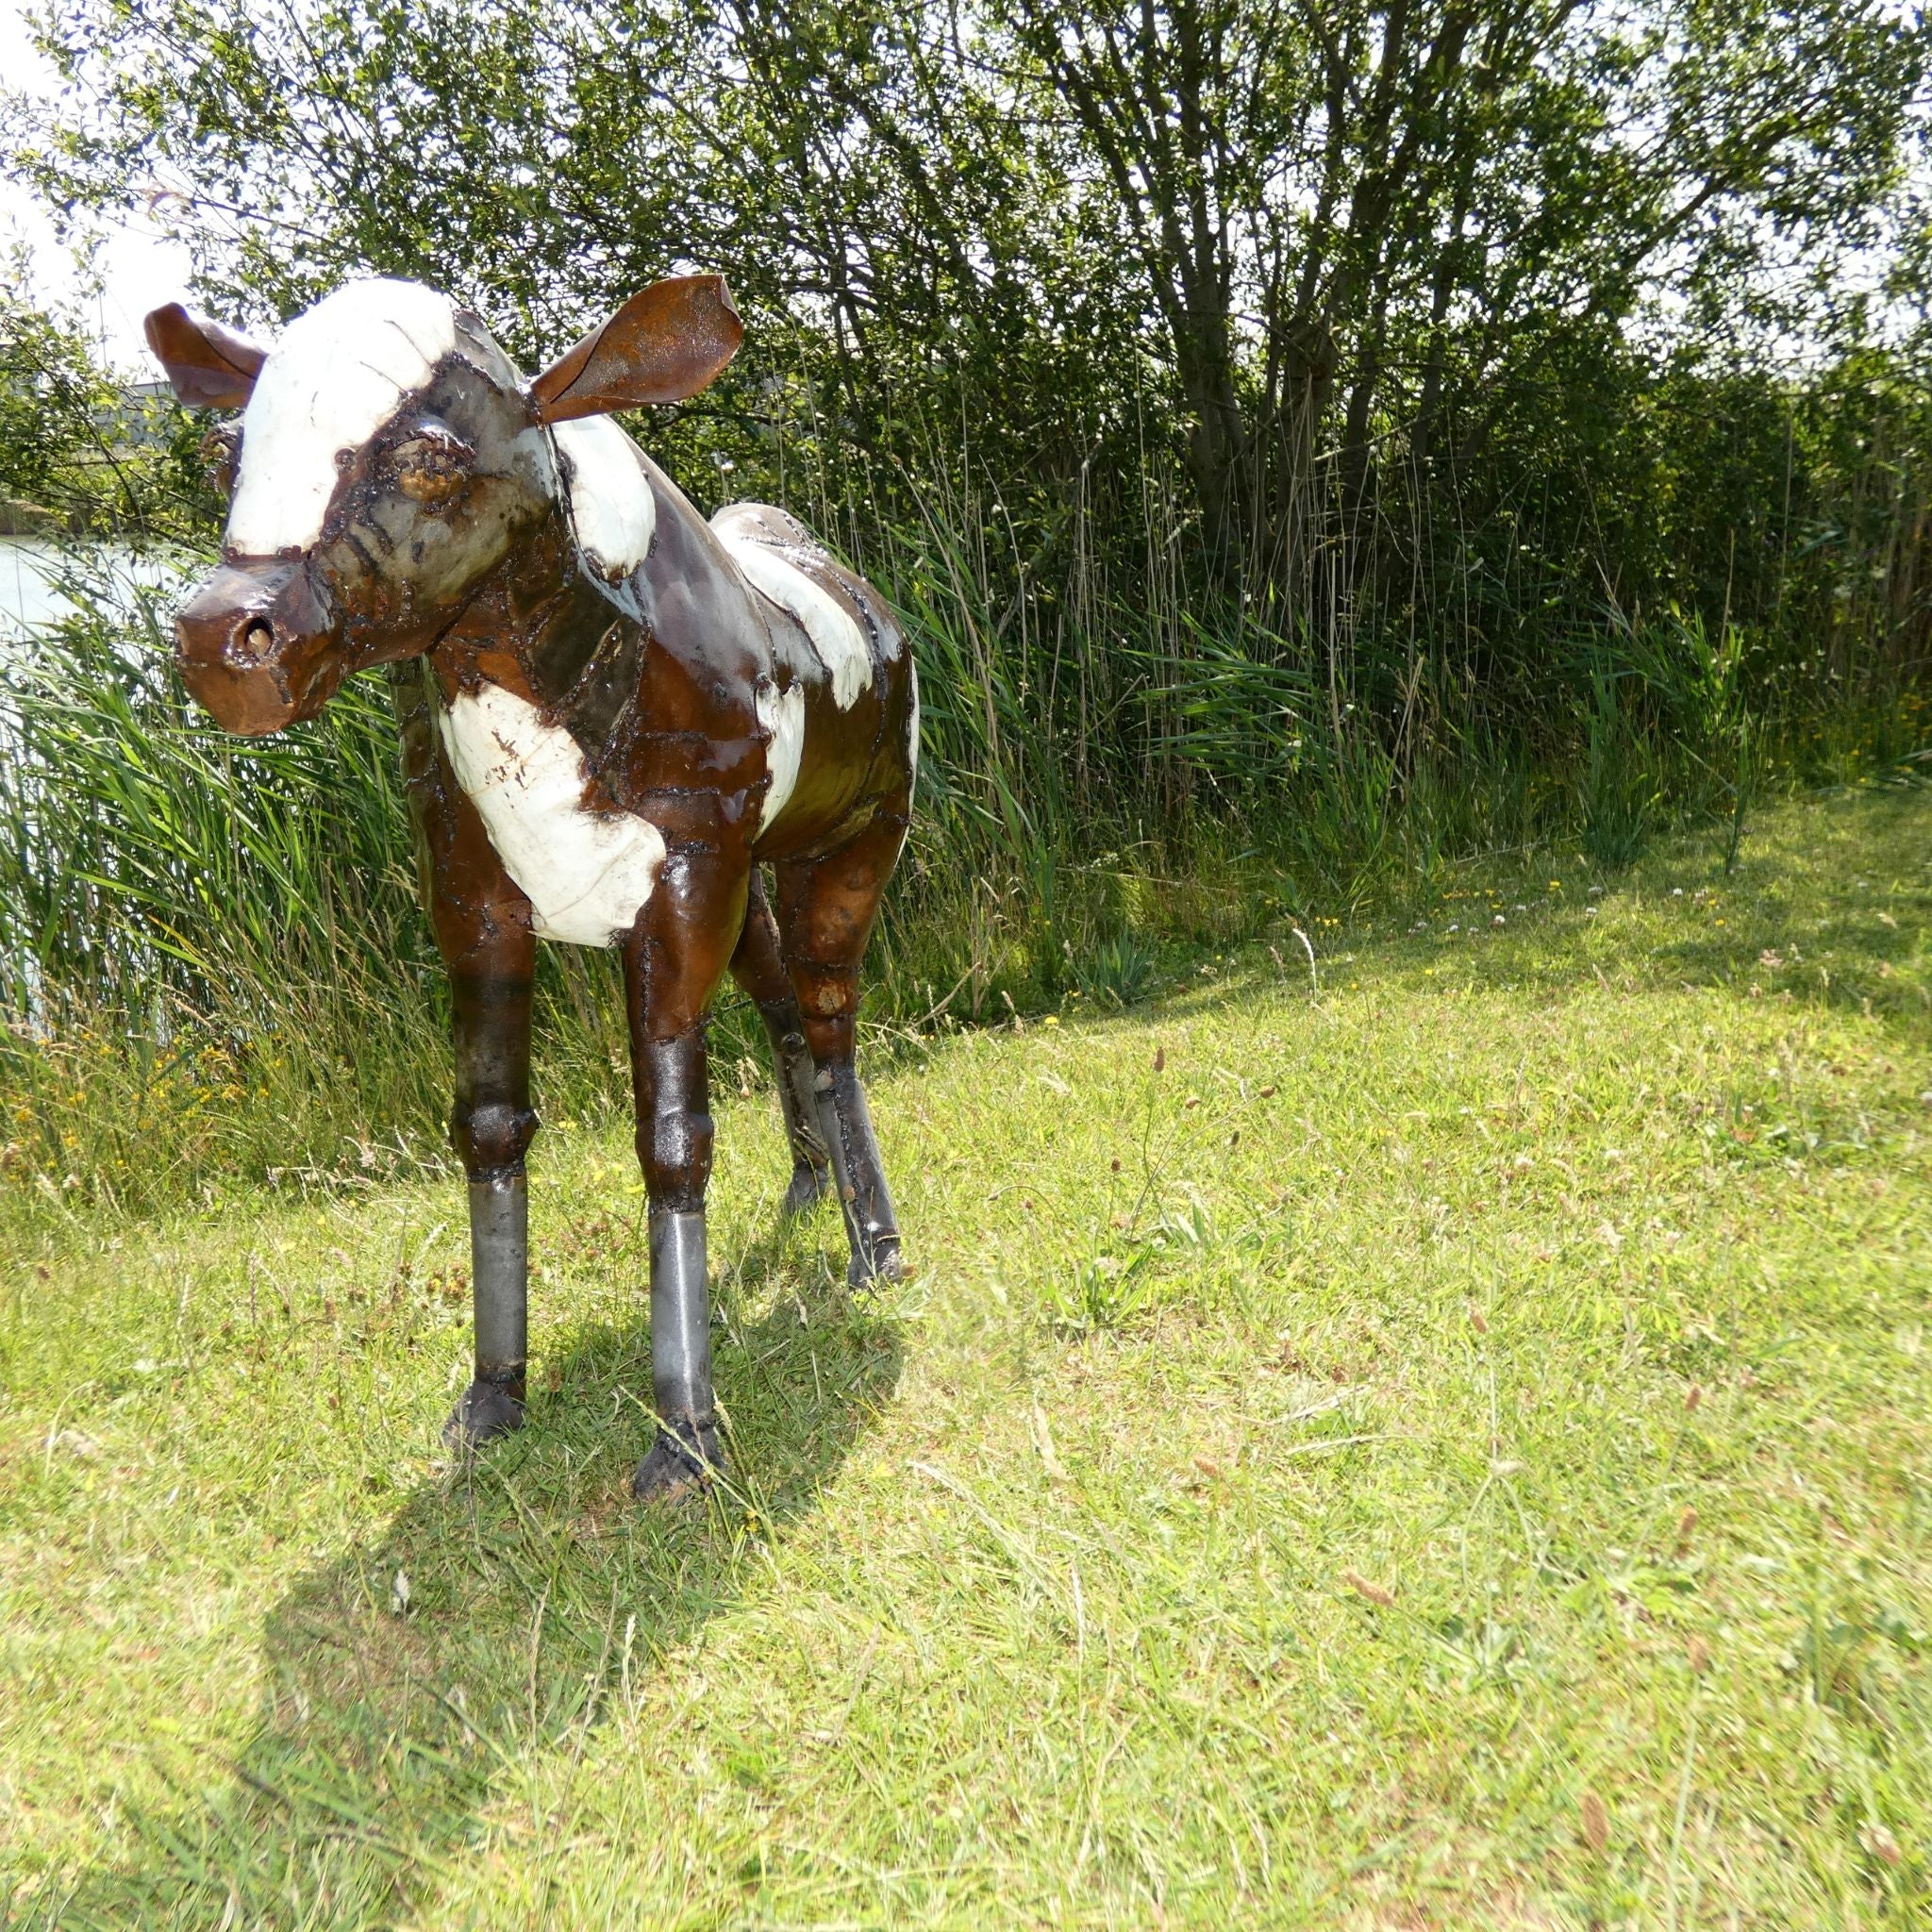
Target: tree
76,452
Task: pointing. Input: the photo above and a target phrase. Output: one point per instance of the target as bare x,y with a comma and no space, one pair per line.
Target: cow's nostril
256,641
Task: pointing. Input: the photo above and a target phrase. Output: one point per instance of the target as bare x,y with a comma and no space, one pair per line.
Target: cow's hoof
681,1464
808,1187
487,1411
883,1265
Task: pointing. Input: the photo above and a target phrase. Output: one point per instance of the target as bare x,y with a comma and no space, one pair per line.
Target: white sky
138,265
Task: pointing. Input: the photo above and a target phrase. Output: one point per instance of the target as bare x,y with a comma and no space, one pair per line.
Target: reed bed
217,975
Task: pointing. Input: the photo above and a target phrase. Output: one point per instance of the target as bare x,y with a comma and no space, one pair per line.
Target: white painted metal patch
607,495
834,636
585,873
912,728
783,716
332,379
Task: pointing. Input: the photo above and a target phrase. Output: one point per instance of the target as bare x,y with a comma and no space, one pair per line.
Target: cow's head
387,458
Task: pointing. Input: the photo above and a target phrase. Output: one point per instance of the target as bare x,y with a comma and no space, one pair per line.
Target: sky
139,266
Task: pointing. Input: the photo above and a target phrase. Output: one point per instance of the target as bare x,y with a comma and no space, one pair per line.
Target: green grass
1467,1467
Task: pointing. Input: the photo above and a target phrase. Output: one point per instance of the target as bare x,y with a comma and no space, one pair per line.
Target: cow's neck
542,627
521,675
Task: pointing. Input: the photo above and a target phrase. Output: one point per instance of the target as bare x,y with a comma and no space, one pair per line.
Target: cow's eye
221,457
432,466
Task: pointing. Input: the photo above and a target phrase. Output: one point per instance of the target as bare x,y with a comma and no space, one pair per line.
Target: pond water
31,569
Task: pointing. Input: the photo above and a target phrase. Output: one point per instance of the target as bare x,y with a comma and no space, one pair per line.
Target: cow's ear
661,346
211,367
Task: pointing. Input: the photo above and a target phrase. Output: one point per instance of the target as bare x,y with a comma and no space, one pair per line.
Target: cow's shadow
412,1681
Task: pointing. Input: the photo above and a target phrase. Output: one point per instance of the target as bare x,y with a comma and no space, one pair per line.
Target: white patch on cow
834,636
331,381
912,732
607,497
783,715
585,873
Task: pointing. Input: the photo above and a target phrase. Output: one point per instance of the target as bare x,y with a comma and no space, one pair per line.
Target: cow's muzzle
259,647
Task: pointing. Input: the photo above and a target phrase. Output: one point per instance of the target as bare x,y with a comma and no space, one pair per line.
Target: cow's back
843,708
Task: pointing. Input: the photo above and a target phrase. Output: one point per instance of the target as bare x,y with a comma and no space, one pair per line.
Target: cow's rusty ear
211,367
661,346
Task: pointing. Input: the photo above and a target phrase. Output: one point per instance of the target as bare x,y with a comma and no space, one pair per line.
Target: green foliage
1372,291
218,973
1308,447
78,452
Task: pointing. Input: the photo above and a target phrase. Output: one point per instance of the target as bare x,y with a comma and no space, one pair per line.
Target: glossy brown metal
210,367
668,341
449,550
758,967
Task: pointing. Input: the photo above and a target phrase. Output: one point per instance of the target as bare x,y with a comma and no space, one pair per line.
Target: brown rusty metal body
613,714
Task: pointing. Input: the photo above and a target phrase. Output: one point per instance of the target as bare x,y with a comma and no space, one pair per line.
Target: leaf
1373,1592
1596,1823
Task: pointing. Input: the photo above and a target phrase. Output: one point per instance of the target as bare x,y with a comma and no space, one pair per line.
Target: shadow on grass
464,1658
1794,931
1842,941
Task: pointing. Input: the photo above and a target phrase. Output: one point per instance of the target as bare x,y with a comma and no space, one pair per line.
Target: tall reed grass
216,973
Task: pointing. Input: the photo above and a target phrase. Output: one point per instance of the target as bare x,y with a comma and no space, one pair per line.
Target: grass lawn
1446,1447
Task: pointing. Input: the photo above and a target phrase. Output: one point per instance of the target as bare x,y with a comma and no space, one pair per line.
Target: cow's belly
585,873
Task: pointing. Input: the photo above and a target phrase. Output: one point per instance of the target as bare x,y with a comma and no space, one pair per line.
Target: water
27,600
31,567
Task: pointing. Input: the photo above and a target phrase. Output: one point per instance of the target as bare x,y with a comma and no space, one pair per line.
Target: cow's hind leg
758,967
827,907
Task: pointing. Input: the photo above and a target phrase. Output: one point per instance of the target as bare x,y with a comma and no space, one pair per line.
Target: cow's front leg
482,924
673,958
492,1128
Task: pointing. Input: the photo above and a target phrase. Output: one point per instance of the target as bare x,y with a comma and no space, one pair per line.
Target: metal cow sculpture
612,713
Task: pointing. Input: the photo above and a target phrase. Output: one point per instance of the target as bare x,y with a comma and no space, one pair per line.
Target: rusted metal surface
613,714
